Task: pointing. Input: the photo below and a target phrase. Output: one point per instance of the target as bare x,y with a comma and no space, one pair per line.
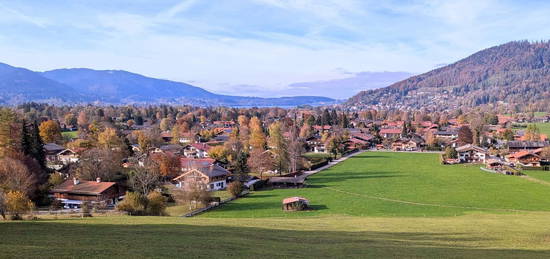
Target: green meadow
375,204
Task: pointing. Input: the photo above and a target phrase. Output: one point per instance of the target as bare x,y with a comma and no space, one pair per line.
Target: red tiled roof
294,199
391,131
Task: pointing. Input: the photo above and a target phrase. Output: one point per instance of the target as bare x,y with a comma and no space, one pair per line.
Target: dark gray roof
52,147
527,144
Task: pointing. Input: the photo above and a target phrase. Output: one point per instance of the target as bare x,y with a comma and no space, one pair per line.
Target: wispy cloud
266,43
17,15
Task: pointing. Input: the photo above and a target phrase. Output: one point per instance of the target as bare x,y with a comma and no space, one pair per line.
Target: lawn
543,127
373,205
70,134
471,236
386,184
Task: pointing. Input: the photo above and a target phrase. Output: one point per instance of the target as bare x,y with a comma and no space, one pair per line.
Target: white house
471,154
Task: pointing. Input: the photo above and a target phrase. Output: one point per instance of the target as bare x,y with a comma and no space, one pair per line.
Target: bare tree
145,179
15,176
99,163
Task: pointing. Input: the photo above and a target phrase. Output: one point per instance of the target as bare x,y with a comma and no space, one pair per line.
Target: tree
109,139
156,204
165,124
100,163
145,179
195,193
465,135
279,145
235,189
545,154
532,133
70,119
306,131
257,136
9,138
2,205
219,153
17,203
508,135
169,165
295,150
50,132
451,153
15,176
260,161
82,120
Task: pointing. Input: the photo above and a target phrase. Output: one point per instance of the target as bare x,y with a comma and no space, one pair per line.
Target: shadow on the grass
34,239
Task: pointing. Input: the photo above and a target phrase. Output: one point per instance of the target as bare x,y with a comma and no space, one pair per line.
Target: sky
240,46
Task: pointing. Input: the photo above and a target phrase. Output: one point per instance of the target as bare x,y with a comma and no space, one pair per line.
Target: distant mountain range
81,85
349,86
514,74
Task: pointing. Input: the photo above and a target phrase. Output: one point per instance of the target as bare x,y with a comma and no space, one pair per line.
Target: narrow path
422,204
331,164
535,180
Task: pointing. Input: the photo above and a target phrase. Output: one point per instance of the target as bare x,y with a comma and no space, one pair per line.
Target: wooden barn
295,204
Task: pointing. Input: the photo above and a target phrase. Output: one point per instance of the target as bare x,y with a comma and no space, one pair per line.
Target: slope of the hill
515,73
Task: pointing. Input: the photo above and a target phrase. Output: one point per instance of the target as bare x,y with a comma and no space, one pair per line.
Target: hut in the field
295,204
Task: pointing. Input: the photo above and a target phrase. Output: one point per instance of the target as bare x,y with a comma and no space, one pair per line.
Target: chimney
98,180
76,181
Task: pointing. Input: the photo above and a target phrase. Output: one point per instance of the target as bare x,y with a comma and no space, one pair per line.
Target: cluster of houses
196,166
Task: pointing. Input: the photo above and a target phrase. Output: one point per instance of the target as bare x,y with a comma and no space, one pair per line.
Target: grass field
70,134
373,205
543,127
398,184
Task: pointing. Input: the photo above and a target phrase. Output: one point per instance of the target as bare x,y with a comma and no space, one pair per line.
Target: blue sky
225,45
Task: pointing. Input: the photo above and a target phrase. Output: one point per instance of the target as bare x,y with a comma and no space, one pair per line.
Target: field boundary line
423,204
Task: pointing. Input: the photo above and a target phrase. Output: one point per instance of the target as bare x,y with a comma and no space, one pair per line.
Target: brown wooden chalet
72,193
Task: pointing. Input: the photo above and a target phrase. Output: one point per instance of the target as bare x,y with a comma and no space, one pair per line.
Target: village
191,161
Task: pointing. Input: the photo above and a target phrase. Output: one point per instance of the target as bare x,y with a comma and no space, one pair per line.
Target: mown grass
383,183
472,236
351,224
70,134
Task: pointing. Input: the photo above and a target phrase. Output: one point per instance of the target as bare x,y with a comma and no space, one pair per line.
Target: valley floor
372,205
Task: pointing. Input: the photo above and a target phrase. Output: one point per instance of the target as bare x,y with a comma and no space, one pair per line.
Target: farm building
295,204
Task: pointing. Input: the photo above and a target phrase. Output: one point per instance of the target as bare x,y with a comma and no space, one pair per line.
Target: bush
17,203
136,204
133,203
156,204
86,209
235,188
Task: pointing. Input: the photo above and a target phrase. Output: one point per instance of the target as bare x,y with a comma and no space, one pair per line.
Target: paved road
331,164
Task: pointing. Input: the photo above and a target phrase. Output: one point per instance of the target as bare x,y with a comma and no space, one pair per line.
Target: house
187,163
72,193
471,154
525,158
515,146
52,150
196,150
391,133
67,156
172,149
212,177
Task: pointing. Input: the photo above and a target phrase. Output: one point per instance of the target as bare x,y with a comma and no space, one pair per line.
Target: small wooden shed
295,204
